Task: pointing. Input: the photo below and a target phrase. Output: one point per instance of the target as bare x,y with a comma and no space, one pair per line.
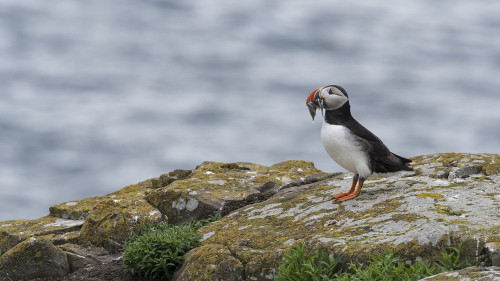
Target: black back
382,160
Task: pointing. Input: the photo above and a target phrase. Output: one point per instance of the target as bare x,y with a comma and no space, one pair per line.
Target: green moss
429,195
493,234
447,210
463,226
408,217
489,164
79,209
14,232
33,255
388,206
444,187
483,178
67,237
457,184
211,262
492,165
227,186
111,221
75,210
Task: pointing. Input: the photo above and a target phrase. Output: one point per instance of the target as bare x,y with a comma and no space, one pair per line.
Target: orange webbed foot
351,191
340,195
347,197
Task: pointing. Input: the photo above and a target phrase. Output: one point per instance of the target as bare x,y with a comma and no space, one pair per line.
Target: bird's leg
351,191
350,196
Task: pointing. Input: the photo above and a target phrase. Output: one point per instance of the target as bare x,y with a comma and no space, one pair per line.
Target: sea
99,94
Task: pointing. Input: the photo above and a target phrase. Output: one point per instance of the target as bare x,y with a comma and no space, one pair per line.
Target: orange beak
315,100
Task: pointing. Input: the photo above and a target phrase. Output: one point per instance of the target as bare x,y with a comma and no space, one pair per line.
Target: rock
79,209
115,218
67,237
451,197
417,215
470,273
493,250
33,258
214,260
74,210
86,257
14,232
169,178
467,171
224,187
78,228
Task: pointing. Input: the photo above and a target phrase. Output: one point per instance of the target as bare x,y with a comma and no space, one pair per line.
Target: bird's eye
337,93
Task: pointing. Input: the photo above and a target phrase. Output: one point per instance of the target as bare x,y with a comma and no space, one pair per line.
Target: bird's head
328,98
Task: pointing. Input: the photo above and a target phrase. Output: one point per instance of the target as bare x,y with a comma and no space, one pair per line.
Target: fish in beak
314,101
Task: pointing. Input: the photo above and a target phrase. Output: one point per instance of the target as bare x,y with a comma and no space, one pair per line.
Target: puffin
348,143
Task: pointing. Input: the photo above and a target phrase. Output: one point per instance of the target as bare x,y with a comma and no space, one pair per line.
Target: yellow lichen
489,164
447,210
429,195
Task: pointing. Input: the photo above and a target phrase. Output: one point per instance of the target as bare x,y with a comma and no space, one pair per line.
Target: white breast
344,150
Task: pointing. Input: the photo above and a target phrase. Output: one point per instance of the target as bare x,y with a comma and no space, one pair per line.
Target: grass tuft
322,267
301,266
159,248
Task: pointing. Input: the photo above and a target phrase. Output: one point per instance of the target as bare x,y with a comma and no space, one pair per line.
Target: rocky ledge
449,198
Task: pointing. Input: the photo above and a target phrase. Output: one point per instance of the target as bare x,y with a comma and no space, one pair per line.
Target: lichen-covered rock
14,232
74,210
493,250
213,260
79,209
170,177
113,220
451,197
418,215
224,187
87,257
469,274
33,258
66,237
457,165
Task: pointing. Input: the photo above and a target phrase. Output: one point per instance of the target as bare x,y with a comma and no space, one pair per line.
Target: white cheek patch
334,101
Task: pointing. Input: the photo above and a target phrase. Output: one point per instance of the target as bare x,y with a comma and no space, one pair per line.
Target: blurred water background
96,95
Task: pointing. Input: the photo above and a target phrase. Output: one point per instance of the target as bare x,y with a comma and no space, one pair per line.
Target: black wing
382,159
